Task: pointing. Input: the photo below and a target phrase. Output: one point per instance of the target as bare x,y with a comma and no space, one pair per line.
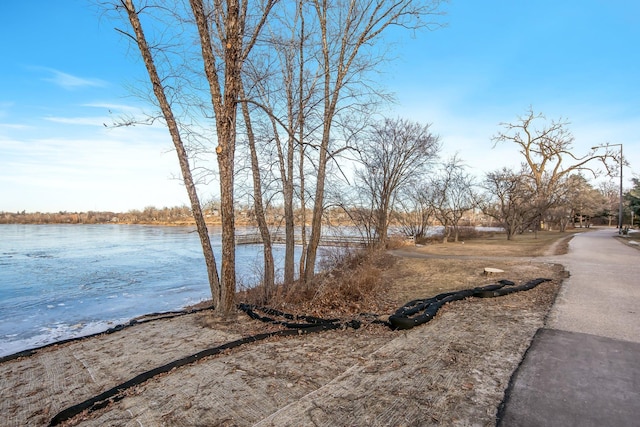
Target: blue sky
65,72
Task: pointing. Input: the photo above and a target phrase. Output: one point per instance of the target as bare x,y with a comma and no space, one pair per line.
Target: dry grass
497,245
421,278
351,284
373,281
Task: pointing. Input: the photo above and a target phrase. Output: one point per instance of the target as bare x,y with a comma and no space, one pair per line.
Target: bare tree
577,201
416,211
284,90
227,25
395,153
451,195
268,280
508,198
226,33
325,75
349,31
317,56
548,156
183,158
610,192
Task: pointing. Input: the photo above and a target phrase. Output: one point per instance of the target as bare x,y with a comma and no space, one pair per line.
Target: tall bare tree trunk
347,28
285,165
301,128
290,239
225,108
318,206
196,209
227,21
303,212
268,280
289,254
330,98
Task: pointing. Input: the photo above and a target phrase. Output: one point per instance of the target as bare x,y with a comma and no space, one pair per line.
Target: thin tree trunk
196,209
285,164
269,267
330,99
382,224
287,181
289,254
303,211
301,126
318,208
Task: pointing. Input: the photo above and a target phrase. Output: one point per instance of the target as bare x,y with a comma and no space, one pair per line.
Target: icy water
63,281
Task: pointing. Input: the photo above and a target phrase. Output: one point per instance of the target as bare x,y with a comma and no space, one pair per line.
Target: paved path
583,368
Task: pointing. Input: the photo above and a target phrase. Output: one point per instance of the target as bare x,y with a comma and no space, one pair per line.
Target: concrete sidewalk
583,368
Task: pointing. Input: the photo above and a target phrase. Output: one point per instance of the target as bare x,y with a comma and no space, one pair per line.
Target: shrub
350,283
466,233
426,240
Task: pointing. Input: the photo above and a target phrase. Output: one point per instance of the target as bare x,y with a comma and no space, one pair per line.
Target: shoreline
452,370
276,379
30,351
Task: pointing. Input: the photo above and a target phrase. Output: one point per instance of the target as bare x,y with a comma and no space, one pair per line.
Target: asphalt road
583,368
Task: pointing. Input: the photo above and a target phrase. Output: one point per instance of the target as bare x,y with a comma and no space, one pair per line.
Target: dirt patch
451,371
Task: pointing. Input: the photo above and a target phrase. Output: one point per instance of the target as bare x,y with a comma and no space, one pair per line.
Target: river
62,281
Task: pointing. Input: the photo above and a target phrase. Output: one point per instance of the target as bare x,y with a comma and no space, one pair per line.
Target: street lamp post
621,163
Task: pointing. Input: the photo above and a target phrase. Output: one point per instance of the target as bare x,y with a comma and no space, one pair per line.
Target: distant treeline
178,215
181,215
149,215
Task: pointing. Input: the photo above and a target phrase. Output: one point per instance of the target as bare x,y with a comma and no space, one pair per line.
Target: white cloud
13,126
69,81
114,114
112,107
83,121
110,171
469,133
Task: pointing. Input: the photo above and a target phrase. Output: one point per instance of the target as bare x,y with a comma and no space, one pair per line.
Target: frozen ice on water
56,277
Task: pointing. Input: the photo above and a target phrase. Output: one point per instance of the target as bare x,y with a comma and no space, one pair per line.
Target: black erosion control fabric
413,313
420,311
